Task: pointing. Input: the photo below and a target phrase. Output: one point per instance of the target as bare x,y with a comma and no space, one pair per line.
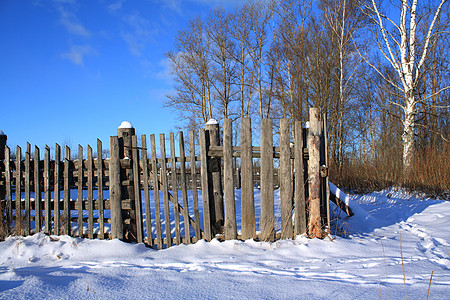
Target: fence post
314,220
125,133
3,138
214,179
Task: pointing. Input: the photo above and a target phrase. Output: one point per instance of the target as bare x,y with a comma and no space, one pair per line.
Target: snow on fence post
313,142
215,179
125,132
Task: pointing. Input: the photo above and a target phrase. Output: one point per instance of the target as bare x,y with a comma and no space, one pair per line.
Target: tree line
378,70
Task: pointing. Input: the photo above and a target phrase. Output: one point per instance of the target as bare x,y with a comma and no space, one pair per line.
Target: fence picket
56,194
66,222
101,209
90,183
137,189
18,191
165,190
205,185
230,228
37,191
183,180
194,187
159,240
285,181
115,190
9,214
173,170
267,220
80,191
47,203
247,197
299,181
27,191
145,180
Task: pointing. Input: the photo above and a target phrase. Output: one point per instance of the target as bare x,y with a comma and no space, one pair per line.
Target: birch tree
398,42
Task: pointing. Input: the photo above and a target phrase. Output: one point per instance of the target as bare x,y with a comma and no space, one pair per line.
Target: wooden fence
140,194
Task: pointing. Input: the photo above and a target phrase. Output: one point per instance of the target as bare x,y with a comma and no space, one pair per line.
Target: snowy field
395,241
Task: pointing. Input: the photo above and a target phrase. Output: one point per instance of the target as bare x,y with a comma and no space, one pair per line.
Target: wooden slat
165,189
326,185
9,215
230,226
205,187
115,192
101,210
247,197
66,222
56,197
194,185
80,190
183,179
285,181
27,190
37,190
173,166
19,219
137,190
155,183
90,182
267,220
47,200
314,220
145,180
299,197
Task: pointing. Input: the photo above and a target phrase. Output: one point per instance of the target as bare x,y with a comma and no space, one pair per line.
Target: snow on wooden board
366,265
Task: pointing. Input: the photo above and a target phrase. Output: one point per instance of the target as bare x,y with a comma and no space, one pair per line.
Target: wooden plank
197,226
299,182
90,182
205,186
101,210
326,185
66,222
173,166
155,181
47,200
80,190
57,189
19,219
137,190
115,192
230,226
287,229
145,180
314,220
165,189
267,220
27,190
183,179
247,197
37,191
9,215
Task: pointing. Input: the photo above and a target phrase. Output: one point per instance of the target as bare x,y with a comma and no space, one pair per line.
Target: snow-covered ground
395,241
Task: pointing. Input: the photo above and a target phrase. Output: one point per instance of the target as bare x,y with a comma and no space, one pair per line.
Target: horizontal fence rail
179,192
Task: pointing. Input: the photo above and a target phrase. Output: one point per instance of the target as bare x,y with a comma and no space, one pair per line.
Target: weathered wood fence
140,194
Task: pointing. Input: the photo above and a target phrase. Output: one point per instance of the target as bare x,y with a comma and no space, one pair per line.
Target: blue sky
72,70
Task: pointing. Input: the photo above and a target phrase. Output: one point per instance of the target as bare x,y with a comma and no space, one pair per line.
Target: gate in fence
162,198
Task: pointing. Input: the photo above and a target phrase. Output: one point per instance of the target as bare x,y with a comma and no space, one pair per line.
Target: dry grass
430,174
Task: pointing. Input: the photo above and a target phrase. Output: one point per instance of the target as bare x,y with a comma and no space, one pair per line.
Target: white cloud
113,7
140,32
67,17
77,53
